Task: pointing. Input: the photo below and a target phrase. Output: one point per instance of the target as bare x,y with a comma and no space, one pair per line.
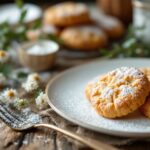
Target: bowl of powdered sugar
39,55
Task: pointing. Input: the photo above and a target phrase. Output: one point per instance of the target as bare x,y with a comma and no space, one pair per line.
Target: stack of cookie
80,30
120,92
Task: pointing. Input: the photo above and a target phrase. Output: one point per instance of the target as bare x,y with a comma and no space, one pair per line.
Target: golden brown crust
112,26
87,38
145,108
146,71
67,14
119,92
88,90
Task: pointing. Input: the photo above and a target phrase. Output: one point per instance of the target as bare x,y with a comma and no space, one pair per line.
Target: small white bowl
38,61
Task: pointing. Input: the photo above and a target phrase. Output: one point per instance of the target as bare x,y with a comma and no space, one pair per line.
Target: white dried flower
41,101
32,82
30,86
10,94
20,103
2,80
34,77
3,56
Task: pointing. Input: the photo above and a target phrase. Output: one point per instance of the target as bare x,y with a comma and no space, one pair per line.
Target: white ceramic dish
11,13
67,98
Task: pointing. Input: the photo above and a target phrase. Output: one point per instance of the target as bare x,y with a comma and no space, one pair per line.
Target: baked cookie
90,86
118,92
84,38
145,108
112,26
67,14
146,71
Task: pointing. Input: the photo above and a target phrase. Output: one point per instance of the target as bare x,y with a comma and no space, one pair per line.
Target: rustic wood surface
45,139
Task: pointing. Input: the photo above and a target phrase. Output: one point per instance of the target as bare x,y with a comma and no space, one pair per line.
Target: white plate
67,98
8,10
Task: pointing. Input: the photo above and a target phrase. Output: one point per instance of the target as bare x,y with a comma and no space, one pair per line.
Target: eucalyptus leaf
22,15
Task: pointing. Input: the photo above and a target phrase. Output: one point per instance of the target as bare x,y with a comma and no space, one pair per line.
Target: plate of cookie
107,96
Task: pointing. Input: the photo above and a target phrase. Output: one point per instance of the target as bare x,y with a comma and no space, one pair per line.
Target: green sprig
6,69
130,47
10,33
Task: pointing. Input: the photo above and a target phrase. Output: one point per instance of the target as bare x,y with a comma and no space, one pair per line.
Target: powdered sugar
117,83
26,119
107,93
126,90
126,71
42,48
70,9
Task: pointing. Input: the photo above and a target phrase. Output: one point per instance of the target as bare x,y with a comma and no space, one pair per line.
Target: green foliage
9,33
19,3
6,69
130,47
55,39
22,75
36,24
22,15
37,92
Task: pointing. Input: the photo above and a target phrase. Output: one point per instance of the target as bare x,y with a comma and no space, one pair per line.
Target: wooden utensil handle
94,144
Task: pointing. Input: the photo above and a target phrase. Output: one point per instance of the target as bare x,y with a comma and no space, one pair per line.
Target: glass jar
141,19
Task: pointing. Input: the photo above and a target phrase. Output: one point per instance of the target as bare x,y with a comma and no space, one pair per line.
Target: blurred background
45,1
119,8
93,28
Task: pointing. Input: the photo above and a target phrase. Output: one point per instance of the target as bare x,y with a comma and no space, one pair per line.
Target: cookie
90,86
67,14
145,108
146,71
118,92
84,38
112,26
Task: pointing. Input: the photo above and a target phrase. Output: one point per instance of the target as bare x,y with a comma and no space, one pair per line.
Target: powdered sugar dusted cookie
84,38
119,92
67,14
111,25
